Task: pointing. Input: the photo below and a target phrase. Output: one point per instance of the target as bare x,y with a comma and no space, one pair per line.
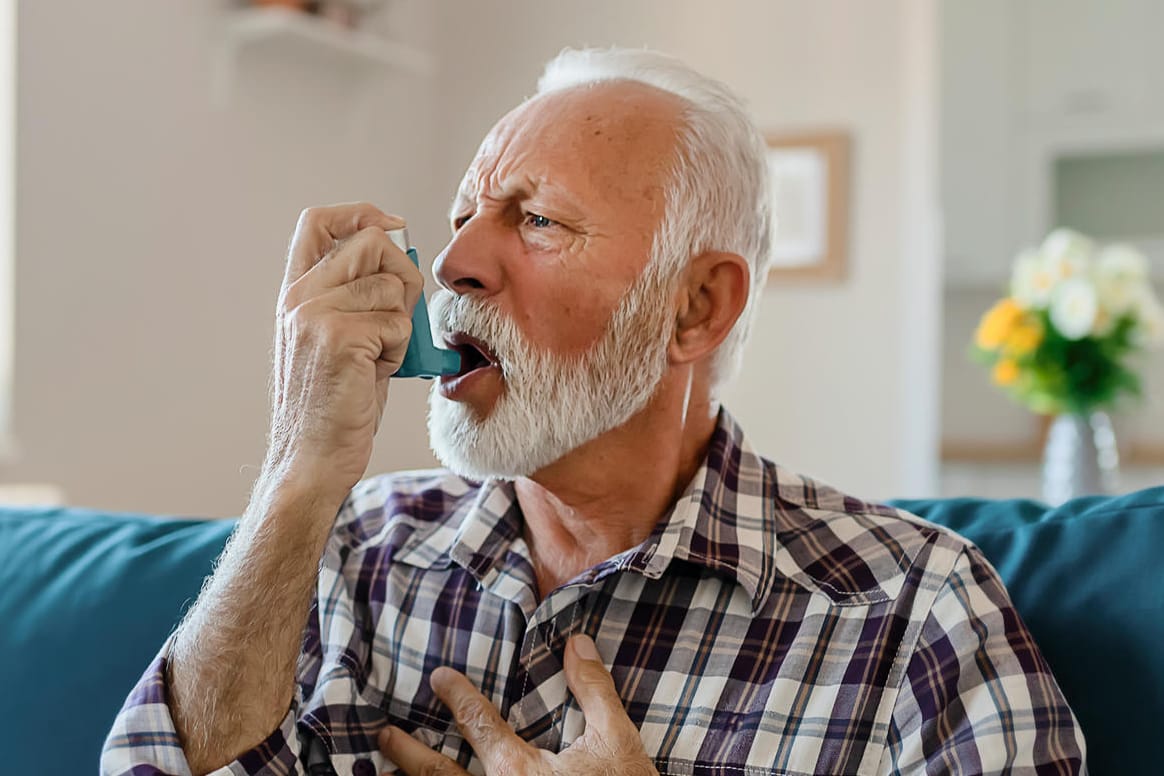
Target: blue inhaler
423,358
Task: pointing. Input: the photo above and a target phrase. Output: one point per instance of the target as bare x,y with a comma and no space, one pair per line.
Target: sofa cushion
1088,579
86,599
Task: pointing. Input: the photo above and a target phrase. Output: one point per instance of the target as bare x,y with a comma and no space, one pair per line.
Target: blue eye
539,222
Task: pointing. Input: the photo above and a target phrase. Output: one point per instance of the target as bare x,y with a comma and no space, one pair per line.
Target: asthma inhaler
423,358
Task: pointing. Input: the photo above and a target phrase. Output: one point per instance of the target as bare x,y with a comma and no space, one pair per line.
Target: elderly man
607,578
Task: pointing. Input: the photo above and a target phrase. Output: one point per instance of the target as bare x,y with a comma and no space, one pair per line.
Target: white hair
717,194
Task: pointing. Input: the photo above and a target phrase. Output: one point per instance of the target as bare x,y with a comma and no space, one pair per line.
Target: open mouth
475,354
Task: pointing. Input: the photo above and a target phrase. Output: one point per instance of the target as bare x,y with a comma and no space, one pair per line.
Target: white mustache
451,313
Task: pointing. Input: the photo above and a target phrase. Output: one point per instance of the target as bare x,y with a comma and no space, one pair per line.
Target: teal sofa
86,598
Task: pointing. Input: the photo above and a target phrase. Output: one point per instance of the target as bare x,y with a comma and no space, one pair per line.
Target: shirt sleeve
144,741
977,696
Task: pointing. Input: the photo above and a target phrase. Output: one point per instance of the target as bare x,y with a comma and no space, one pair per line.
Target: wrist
312,469
302,488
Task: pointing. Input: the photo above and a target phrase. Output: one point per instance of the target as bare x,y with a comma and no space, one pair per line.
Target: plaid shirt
770,625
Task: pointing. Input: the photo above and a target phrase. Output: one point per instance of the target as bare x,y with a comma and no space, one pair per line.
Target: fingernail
438,677
585,649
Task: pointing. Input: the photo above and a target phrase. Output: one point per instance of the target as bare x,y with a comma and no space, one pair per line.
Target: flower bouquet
1063,340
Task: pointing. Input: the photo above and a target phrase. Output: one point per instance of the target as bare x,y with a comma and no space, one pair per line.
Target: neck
607,496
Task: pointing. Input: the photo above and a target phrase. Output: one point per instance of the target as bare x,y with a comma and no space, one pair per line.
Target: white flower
1149,330
1067,253
1121,272
1104,322
1031,283
1124,260
1074,307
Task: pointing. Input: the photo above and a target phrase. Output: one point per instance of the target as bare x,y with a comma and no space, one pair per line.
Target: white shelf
295,30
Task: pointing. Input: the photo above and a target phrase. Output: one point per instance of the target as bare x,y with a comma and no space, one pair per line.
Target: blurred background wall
158,182
153,215
1031,90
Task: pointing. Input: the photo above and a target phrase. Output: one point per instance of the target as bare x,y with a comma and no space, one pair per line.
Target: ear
712,294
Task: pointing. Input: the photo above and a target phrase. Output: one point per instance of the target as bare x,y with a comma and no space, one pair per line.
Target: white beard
550,404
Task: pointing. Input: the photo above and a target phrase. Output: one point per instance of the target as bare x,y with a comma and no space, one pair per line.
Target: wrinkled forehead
612,133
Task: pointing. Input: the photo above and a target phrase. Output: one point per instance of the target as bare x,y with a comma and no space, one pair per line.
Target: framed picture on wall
809,181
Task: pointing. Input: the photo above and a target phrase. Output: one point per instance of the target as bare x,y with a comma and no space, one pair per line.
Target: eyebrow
560,195
463,193
459,199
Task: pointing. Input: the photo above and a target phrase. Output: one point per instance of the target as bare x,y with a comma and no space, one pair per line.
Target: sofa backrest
86,599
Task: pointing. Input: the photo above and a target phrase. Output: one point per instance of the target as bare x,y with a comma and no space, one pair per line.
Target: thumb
593,686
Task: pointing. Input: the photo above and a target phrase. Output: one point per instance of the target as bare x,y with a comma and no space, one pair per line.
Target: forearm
341,329
232,663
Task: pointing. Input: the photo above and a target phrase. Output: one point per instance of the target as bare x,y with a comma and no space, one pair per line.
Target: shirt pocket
754,744
674,766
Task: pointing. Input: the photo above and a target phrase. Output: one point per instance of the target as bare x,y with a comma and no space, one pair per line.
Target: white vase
1080,457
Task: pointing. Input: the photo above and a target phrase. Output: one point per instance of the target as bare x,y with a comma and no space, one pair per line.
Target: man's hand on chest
611,741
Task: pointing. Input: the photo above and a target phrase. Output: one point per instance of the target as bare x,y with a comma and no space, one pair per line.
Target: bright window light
7,215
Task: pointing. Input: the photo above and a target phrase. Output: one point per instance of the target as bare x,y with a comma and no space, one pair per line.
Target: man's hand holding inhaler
342,329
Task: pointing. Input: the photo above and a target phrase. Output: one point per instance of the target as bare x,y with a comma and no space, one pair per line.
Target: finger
381,292
389,333
363,253
491,737
394,331
319,227
369,253
594,689
413,757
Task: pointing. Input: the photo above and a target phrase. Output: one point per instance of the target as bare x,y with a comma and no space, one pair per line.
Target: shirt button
363,767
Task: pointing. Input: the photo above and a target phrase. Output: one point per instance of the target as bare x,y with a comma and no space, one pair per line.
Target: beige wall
152,223
151,230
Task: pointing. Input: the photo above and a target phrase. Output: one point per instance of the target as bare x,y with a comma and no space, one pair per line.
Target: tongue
472,359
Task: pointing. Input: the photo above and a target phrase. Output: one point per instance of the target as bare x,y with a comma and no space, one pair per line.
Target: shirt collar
723,522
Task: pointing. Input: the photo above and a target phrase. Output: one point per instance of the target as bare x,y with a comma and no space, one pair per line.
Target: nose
472,261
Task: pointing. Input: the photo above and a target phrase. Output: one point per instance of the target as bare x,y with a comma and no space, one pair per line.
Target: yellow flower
998,323
1006,372
1024,338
